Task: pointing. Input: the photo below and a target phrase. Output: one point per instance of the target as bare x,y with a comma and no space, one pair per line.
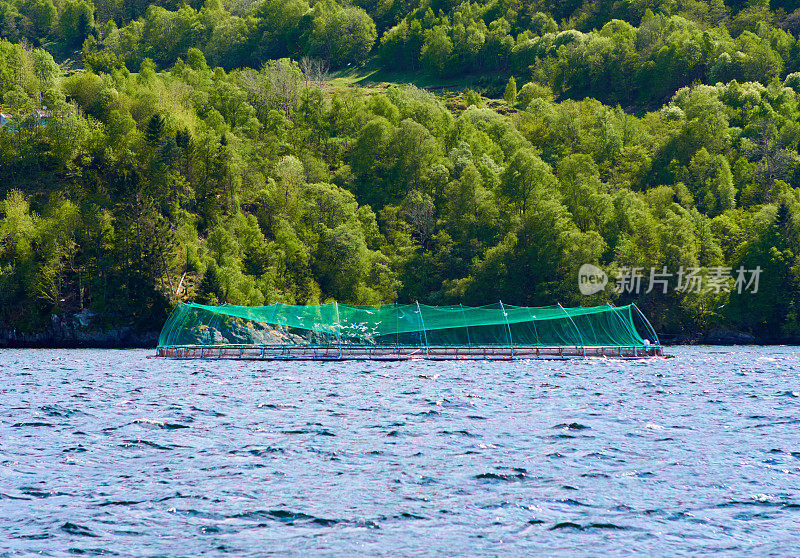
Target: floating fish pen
406,331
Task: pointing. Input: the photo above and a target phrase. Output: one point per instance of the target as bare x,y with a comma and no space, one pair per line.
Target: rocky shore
79,331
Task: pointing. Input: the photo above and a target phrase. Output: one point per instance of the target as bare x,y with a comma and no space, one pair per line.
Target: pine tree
154,130
511,91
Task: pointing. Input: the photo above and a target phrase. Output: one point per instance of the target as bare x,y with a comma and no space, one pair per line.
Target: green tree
342,35
371,160
536,264
231,42
773,249
279,29
45,68
472,98
526,179
713,182
76,21
42,14
437,51
154,129
510,94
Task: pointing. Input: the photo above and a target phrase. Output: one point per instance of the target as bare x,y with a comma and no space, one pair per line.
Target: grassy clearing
373,77
450,90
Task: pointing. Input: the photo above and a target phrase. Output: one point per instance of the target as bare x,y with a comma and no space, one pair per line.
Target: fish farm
406,331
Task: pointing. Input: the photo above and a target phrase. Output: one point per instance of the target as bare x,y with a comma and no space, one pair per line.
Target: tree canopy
200,152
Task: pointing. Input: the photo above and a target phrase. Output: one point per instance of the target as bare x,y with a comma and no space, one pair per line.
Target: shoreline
118,338
79,332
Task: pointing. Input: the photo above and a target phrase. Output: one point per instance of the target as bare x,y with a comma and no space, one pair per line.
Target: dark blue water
112,453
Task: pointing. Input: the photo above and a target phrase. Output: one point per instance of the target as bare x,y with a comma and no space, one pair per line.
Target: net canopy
406,325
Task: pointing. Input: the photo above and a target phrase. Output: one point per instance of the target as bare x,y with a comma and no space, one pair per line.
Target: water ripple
112,453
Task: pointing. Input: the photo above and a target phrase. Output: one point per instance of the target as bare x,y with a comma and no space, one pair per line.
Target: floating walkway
332,332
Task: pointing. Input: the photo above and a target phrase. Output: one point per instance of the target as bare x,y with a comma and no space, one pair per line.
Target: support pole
626,324
214,317
535,331
272,319
466,327
425,333
508,326
583,346
338,328
648,324
181,312
594,333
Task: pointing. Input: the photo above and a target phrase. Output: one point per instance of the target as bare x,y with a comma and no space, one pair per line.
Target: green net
406,325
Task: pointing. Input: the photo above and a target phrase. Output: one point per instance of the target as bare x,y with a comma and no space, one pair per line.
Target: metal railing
359,352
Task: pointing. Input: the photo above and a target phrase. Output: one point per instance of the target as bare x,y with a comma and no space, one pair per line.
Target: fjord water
109,452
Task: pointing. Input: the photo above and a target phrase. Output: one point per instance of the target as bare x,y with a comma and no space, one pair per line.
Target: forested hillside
257,151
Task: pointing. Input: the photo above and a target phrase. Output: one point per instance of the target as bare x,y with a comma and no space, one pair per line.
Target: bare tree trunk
180,284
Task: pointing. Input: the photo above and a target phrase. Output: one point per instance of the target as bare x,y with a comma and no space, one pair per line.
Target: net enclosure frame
336,331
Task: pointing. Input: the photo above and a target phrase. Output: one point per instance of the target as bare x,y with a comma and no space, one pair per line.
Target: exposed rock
78,331
727,337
